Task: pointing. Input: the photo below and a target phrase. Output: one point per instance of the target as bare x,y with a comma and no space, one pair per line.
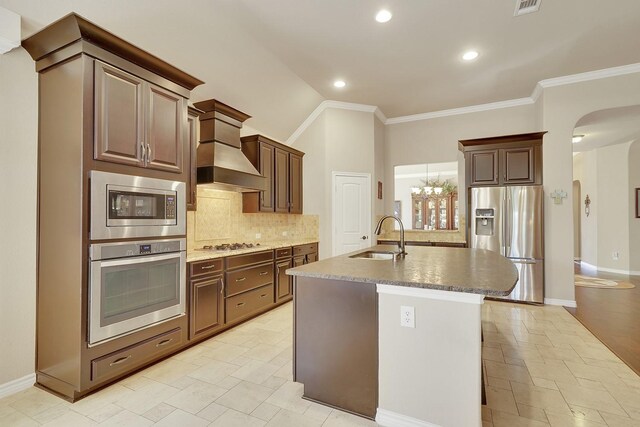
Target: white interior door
351,212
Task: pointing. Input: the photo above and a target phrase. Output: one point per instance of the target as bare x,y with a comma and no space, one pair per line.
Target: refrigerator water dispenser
484,222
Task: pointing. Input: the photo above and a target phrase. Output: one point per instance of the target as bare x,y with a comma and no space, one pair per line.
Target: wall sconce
587,205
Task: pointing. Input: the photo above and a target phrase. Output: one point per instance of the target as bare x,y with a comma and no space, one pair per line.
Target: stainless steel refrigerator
508,220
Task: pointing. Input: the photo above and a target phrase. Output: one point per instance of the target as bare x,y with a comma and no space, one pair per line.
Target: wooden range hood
220,161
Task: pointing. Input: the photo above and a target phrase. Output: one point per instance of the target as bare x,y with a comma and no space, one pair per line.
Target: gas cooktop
229,247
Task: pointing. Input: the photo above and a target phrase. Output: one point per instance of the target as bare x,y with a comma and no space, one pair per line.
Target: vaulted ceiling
276,59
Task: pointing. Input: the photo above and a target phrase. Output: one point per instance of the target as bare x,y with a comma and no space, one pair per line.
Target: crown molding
462,110
337,105
535,95
591,75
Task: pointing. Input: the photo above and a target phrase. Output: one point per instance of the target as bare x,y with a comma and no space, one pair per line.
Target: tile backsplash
219,219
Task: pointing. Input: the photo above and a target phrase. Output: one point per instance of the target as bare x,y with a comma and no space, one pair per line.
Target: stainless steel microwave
124,206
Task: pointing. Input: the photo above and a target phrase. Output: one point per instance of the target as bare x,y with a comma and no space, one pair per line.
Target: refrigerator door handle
503,248
508,220
524,260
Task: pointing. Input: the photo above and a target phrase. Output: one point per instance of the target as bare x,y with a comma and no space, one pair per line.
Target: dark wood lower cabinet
284,282
206,305
336,343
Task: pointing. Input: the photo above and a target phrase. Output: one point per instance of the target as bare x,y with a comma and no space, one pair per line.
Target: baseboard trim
562,302
393,419
17,385
610,270
616,271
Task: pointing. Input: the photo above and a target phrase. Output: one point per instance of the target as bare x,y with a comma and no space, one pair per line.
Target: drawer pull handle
241,279
263,295
119,361
240,304
165,342
208,267
263,273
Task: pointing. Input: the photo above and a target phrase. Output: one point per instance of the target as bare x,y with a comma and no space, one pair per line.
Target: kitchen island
351,352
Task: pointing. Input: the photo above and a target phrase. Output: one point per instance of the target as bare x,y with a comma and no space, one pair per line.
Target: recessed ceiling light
470,55
383,16
577,138
339,83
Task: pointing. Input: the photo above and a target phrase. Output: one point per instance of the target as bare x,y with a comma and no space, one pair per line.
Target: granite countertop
200,255
477,271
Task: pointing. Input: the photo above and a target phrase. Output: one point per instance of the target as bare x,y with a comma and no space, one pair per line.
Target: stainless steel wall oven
133,285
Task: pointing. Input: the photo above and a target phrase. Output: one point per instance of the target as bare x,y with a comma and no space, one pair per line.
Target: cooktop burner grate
229,246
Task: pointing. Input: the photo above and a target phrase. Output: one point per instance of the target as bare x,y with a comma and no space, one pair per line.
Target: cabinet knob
364,237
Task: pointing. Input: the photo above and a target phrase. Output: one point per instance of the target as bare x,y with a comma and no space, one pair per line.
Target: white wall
634,223
439,358
585,170
338,141
613,202
18,168
563,106
378,158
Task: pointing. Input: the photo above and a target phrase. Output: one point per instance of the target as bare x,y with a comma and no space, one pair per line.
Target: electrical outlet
258,235
284,234
615,256
407,316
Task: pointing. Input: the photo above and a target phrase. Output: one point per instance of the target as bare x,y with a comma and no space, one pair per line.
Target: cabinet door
517,165
281,181
295,184
284,286
484,167
166,123
119,118
267,169
312,257
298,261
206,306
193,126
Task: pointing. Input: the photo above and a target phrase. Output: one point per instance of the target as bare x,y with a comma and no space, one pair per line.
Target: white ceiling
276,59
608,127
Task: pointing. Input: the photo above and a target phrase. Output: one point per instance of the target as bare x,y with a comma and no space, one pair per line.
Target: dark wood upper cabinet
166,129
137,123
295,183
518,165
267,169
503,160
119,116
193,128
282,180
483,167
282,165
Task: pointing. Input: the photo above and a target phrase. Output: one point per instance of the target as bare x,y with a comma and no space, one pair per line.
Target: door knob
364,237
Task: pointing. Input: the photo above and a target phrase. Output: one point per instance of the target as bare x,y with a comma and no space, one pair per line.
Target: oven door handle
139,259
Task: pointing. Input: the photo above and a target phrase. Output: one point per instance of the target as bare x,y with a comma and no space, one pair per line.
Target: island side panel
336,343
431,373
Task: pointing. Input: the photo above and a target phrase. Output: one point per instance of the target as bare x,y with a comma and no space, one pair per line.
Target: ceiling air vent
526,6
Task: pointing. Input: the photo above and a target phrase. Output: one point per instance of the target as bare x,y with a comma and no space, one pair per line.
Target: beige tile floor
542,369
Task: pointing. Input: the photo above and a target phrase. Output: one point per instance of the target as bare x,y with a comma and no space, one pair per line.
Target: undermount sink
376,255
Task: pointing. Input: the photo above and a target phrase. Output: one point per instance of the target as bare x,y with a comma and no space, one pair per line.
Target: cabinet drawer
198,268
305,249
245,260
134,356
248,278
283,253
247,303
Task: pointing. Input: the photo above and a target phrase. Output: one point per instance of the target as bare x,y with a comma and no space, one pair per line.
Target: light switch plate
407,316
